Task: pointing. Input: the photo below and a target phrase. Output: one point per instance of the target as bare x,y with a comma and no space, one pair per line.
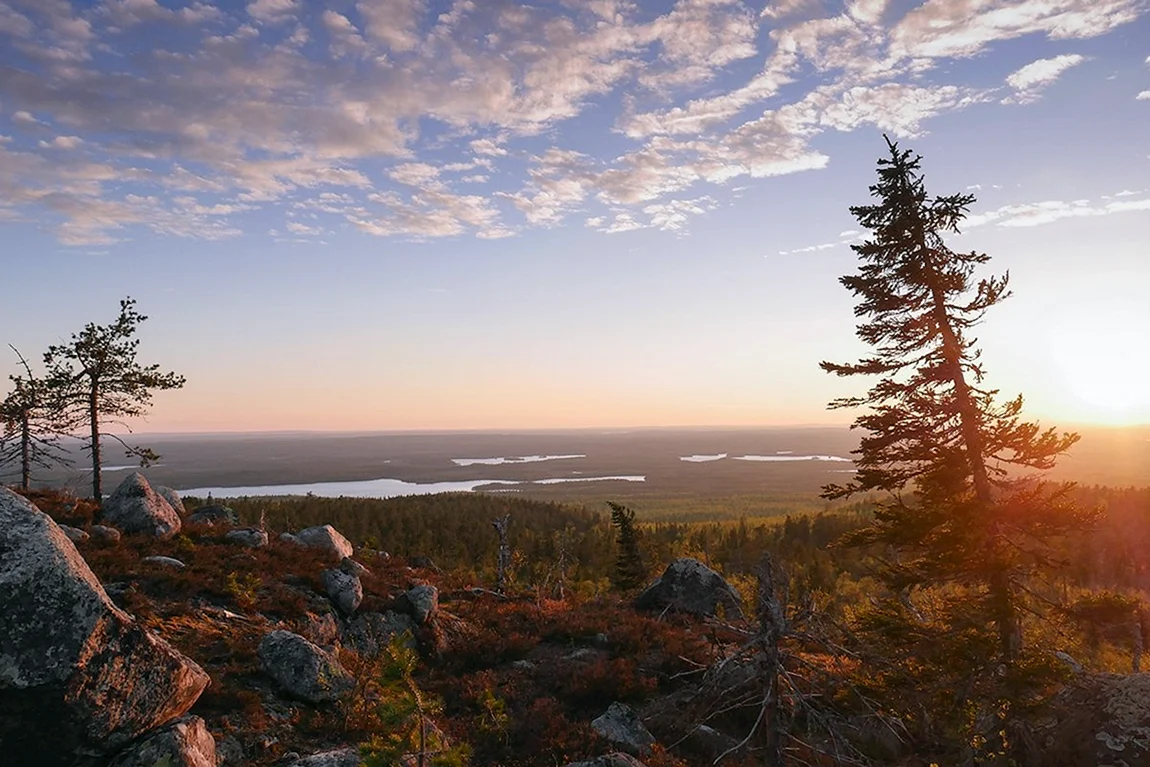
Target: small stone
345,591
75,534
424,602
171,562
621,726
351,567
105,534
247,536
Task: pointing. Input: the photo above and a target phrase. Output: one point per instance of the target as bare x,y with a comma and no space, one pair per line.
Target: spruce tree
102,383
31,424
629,571
940,449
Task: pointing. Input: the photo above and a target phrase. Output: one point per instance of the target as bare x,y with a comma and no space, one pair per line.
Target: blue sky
407,214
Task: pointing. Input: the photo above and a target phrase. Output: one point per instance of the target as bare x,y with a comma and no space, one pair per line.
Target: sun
1105,365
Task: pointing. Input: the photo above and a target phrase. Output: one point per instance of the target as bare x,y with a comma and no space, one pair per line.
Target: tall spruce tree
629,572
31,424
939,445
102,383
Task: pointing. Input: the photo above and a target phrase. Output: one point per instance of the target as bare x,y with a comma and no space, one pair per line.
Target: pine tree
30,424
939,446
629,571
101,382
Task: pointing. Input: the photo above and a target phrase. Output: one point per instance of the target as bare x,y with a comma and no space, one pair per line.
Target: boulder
214,514
341,757
369,633
302,669
615,759
422,602
134,507
344,590
327,538
105,534
621,726
169,562
1098,719
183,743
173,498
421,562
75,534
351,567
230,752
689,586
247,536
289,538
78,676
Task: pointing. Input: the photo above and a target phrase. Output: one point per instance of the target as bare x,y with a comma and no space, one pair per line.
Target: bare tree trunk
25,452
504,559
94,420
772,627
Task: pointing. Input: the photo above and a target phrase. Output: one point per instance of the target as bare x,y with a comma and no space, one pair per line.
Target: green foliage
938,443
629,571
100,382
31,424
404,716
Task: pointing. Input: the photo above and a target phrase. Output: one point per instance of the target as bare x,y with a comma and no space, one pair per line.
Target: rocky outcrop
214,514
135,508
687,585
78,676
183,743
616,759
344,590
168,562
173,498
422,602
621,727
75,534
342,757
247,536
302,669
327,538
369,633
1099,719
104,534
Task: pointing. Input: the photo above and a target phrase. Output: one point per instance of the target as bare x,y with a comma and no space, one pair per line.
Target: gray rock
171,562
615,759
134,507
689,586
351,567
327,538
422,563
173,498
77,674
369,633
621,726
341,757
214,514
289,538
230,752
302,669
345,591
247,536
105,534
423,601
75,534
183,743
322,629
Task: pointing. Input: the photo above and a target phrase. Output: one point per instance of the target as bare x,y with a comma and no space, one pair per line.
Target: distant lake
513,459
791,457
385,488
703,458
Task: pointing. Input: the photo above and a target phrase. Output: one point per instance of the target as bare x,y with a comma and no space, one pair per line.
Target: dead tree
504,557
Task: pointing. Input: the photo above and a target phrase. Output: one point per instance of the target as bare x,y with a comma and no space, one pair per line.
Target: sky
458,214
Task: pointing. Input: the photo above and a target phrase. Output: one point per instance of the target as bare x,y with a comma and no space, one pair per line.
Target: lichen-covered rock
369,633
344,590
75,534
214,514
341,757
183,743
327,538
173,498
302,669
78,676
169,562
422,602
621,727
104,534
135,508
247,536
689,586
615,759
1099,719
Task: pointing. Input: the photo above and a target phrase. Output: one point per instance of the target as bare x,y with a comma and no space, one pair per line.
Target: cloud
1049,211
1143,96
273,11
1031,79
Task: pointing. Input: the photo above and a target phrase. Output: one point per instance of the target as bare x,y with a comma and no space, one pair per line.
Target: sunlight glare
1106,364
